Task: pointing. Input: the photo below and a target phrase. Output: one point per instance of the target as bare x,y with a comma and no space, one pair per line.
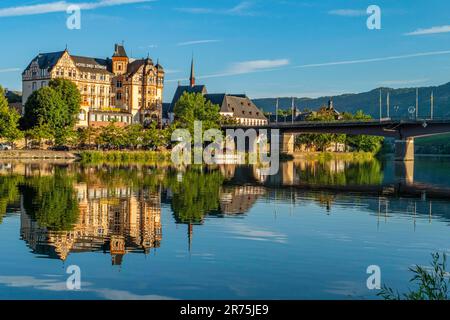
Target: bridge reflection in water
404,131
68,208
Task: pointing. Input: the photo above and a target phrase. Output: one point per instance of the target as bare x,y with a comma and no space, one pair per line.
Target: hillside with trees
369,102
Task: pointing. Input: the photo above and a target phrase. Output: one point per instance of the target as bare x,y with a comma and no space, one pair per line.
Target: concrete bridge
403,131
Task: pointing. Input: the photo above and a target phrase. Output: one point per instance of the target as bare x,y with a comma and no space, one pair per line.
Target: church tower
119,60
192,77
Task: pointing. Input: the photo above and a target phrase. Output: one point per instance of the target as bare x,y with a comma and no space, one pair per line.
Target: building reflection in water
125,217
111,220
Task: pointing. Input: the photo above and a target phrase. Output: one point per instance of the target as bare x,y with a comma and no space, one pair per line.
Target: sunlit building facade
119,88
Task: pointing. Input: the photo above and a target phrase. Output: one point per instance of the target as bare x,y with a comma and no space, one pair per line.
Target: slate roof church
237,106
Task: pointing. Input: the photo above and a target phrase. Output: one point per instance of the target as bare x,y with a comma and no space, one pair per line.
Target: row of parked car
5,146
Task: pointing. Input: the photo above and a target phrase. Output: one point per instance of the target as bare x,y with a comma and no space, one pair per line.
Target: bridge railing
368,121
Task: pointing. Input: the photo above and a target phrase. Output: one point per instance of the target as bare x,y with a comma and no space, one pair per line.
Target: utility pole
276,112
417,103
293,111
381,111
432,105
388,104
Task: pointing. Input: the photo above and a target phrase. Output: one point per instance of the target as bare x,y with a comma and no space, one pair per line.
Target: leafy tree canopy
194,107
9,120
55,107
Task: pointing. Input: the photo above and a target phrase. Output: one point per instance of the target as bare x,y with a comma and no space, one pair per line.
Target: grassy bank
148,157
327,156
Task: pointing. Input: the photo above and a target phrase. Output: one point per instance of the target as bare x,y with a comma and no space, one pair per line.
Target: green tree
9,120
194,107
55,106
432,282
39,133
111,136
71,97
86,136
156,138
134,135
362,142
322,141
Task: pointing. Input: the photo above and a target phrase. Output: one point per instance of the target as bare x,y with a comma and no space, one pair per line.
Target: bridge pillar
404,172
404,150
287,143
287,170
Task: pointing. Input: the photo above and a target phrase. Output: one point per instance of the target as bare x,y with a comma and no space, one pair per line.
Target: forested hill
400,101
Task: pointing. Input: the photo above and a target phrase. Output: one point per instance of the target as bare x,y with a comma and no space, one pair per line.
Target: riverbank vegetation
345,156
50,115
338,142
431,283
148,157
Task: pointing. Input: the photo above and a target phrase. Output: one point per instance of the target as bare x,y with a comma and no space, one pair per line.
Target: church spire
192,77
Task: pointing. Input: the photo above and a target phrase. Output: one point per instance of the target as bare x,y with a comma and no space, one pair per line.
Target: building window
119,96
42,84
82,115
34,86
119,84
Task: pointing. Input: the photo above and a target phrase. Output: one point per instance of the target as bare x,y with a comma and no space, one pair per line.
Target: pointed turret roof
119,51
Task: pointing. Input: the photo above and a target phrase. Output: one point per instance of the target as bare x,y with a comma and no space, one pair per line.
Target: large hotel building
118,89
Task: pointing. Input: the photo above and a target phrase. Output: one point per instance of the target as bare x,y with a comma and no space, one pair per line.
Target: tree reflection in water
117,209
51,200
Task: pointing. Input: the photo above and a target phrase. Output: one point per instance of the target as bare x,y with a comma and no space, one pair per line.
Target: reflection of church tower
190,234
117,249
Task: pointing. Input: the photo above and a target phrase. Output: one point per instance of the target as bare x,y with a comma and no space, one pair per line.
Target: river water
225,232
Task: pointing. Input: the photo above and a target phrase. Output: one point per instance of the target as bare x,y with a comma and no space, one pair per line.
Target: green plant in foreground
432,282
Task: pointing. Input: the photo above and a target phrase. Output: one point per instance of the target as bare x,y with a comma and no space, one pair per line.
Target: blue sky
264,48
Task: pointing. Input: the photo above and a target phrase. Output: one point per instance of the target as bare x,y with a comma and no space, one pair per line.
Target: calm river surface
145,232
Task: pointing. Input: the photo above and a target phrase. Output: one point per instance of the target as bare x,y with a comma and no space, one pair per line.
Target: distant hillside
400,101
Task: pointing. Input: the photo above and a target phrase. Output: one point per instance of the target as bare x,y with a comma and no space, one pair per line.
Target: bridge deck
353,123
